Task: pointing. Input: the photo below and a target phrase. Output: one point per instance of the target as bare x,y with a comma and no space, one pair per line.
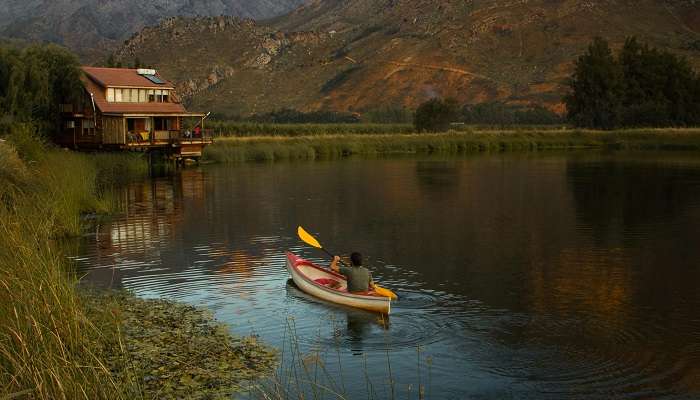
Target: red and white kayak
327,285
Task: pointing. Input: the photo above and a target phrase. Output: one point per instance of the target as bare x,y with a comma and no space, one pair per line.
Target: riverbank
329,146
57,342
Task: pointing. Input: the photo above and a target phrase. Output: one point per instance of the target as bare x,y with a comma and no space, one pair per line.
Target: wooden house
132,109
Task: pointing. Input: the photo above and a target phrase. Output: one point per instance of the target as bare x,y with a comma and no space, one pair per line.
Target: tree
435,115
596,97
35,81
644,86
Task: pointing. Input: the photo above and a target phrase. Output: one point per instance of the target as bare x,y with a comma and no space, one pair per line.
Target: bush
435,115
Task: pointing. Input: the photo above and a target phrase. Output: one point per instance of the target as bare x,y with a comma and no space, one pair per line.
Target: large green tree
643,86
596,96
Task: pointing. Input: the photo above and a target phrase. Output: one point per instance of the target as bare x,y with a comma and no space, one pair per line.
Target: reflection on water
520,276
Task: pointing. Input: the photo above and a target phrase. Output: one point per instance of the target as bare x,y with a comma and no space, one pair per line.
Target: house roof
100,99
123,77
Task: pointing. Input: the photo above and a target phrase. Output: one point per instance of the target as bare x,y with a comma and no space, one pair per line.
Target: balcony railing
169,137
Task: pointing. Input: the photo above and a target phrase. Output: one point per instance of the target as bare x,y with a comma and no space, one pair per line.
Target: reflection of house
131,109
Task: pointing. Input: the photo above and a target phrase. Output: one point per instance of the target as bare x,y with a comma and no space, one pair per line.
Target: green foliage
25,137
498,113
275,148
597,88
35,81
435,115
643,86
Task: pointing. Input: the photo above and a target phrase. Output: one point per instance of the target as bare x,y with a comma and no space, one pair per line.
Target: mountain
92,27
355,55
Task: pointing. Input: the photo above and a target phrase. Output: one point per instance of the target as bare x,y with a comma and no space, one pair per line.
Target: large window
117,95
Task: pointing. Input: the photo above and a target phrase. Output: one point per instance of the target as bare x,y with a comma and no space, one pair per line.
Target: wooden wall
114,130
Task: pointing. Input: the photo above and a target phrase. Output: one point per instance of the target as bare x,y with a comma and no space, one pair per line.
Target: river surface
520,276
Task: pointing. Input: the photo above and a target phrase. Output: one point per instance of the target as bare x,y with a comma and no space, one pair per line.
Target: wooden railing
169,137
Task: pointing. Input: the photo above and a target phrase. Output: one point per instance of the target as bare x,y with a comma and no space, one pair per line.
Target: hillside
363,54
93,27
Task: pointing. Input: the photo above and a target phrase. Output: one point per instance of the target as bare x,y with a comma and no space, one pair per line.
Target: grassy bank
59,343
47,341
328,146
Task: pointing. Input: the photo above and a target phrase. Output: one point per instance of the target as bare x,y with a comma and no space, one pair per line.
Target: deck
176,143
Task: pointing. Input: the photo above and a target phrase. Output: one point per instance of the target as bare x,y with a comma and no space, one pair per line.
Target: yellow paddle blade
307,238
385,292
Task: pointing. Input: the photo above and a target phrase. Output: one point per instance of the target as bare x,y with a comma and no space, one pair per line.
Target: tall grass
273,148
48,344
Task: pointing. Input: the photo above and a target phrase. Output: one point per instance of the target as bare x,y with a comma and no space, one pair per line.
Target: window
142,95
110,95
70,124
118,95
151,96
162,124
166,96
88,124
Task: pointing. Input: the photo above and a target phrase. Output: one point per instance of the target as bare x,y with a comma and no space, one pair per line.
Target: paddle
311,241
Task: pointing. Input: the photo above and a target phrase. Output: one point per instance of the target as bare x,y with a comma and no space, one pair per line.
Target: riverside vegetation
319,146
57,342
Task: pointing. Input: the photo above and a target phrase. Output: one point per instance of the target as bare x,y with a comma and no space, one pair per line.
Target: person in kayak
359,278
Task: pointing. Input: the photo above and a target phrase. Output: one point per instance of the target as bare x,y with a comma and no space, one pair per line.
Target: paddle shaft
333,256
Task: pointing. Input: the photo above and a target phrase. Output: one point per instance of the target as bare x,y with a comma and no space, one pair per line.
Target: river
523,276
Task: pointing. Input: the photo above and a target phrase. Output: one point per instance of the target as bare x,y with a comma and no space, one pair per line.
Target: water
520,276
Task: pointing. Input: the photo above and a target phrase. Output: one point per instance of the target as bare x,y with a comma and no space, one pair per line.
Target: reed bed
329,146
49,346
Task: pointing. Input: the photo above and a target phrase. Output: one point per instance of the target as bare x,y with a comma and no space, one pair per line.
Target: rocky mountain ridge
363,54
92,27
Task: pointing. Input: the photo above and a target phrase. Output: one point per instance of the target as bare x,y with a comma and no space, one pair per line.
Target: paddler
359,278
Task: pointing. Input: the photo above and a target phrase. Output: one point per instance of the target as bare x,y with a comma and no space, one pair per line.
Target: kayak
330,286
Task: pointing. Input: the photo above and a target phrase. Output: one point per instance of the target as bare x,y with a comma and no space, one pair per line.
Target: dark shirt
359,278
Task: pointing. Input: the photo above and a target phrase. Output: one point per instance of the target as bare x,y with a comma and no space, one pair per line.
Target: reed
329,146
314,371
49,345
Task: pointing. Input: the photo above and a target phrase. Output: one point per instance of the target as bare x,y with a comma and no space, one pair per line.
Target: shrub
435,115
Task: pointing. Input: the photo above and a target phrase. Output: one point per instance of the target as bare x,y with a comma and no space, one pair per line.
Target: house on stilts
132,109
